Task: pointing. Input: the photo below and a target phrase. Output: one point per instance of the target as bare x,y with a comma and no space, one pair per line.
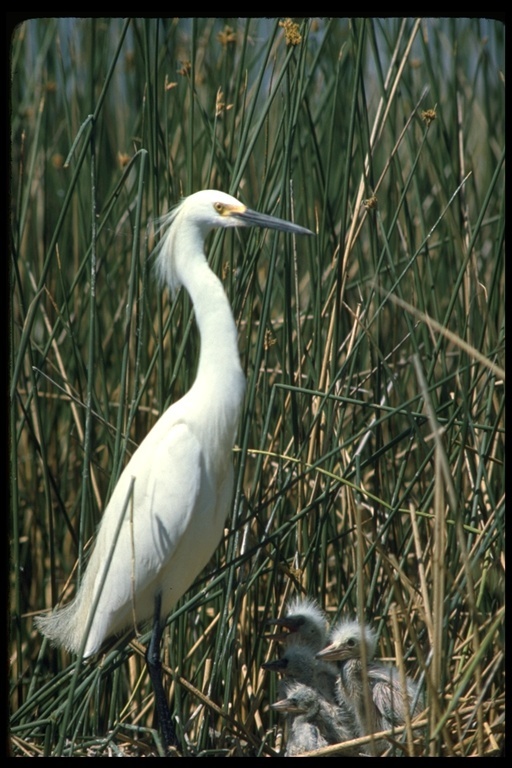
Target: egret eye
219,207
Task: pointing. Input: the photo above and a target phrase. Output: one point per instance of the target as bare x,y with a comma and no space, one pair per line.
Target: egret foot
154,665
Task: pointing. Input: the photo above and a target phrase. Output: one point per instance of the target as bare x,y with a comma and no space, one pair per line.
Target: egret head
300,699
304,623
346,640
191,220
294,662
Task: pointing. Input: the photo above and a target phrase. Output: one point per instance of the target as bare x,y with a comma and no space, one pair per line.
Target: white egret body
388,701
182,472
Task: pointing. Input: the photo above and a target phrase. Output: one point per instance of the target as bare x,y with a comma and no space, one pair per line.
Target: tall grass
370,455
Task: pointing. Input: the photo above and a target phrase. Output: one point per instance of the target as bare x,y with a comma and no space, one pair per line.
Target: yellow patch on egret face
226,210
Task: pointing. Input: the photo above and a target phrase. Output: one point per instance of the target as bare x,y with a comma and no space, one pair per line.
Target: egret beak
290,624
330,653
249,218
275,666
279,637
285,706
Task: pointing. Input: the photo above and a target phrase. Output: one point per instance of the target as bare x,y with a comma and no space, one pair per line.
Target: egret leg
154,665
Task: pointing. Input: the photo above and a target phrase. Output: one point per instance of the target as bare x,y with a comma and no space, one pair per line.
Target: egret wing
166,529
387,694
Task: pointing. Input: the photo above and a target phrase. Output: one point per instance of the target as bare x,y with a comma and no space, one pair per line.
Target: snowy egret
178,484
389,703
314,722
305,623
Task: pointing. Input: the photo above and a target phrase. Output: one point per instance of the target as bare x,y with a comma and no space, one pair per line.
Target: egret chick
299,665
389,703
314,722
304,622
177,486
